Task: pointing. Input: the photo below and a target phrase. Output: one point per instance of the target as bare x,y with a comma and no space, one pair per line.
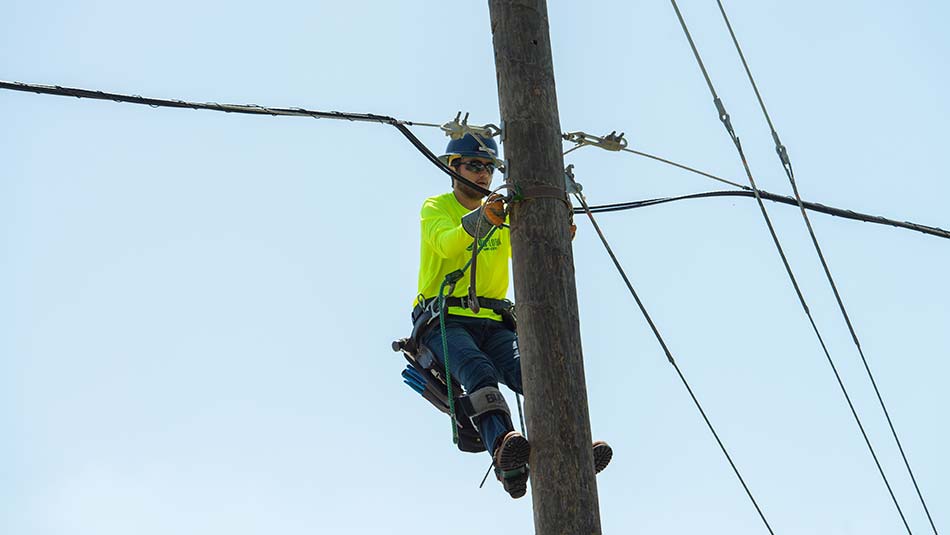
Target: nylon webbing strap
484,302
529,193
540,192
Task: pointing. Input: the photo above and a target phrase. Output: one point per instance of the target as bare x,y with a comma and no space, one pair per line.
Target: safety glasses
478,167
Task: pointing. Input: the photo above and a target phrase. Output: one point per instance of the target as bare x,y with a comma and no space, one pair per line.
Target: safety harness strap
496,305
426,375
423,315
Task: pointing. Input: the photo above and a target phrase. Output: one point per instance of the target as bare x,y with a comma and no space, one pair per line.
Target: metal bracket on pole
612,141
458,127
570,186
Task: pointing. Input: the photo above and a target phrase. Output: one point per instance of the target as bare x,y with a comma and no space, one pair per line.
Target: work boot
603,453
511,463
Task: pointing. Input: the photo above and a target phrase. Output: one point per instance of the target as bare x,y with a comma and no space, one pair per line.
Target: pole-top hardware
724,116
612,141
458,127
570,186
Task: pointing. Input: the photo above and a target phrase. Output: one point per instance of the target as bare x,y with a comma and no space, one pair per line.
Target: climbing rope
445,349
449,282
474,299
472,286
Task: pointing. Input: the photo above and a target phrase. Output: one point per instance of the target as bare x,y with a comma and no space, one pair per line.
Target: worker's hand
494,209
573,231
479,222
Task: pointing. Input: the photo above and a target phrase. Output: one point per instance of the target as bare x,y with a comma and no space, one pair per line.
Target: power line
249,109
666,350
615,143
830,210
787,165
724,118
684,167
402,125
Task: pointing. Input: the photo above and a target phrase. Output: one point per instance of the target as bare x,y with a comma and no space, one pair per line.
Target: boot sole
603,453
512,466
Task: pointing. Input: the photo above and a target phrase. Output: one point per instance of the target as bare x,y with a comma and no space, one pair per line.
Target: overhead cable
727,123
830,210
686,168
617,143
449,128
250,109
666,350
782,153
613,142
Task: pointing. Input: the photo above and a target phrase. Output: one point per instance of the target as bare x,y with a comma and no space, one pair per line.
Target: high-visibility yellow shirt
446,247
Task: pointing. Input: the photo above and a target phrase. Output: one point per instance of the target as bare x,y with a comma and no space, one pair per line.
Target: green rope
445,353
450,281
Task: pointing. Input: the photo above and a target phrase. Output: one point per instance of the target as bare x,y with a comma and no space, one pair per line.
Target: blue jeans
482,352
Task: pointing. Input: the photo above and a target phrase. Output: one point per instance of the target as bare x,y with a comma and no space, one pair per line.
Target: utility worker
482,343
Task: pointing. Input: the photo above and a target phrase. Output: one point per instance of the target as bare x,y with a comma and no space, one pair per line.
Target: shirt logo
486,244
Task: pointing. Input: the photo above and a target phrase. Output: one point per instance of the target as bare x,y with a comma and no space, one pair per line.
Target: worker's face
477,170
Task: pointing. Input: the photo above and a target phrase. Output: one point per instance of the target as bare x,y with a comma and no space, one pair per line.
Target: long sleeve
444,236
446,247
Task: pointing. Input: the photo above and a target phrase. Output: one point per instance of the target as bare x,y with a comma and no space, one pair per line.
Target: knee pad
484,400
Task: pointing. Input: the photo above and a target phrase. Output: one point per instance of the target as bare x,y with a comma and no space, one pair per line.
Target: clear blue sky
196,308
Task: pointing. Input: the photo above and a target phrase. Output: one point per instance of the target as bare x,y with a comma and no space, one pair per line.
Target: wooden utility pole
562,464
